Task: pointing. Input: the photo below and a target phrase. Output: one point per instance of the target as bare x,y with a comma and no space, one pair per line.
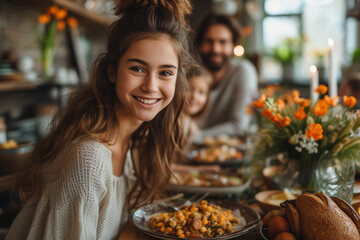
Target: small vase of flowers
318,137
48,35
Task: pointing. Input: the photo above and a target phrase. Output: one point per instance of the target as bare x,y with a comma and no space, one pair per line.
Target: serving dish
142,216
264,233
15,159
260,197
220,155
212,183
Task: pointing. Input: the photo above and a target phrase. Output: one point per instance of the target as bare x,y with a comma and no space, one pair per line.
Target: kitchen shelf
8,86
84,13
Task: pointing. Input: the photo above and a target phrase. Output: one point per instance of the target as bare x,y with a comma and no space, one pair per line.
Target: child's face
145,78
197,96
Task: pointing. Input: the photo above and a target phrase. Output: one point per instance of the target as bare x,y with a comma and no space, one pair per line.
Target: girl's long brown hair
90,112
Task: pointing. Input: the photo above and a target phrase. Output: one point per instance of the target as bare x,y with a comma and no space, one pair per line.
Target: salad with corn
195,221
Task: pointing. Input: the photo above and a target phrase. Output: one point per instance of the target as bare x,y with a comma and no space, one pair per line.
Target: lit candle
314,83
332,69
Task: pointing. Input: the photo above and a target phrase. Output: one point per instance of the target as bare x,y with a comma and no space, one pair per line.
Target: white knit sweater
88,202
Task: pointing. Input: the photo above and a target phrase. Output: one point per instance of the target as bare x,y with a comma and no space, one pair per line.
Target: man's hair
217,19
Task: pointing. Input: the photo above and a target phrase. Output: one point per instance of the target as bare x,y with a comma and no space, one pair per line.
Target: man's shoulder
240,64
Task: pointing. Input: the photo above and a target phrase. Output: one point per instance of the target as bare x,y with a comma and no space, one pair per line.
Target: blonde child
117,135
197,99
195,106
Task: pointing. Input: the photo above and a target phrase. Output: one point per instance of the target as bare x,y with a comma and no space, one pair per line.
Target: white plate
143,214
232,161
210,190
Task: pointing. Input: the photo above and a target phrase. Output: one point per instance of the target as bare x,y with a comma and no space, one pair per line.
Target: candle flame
313,69
239,50
331,42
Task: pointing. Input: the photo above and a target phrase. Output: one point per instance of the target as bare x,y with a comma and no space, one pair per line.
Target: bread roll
322,219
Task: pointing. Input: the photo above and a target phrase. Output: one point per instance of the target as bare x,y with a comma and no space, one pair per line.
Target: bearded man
235,81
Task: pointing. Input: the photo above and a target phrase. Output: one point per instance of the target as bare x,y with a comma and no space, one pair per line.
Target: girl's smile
146,85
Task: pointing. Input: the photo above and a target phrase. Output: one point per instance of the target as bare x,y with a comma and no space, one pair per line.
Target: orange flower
260,103
249,110
61,25
300,114
266,112
280,103
275,117
321,108
295,93
322,89
44,19
285,121
61,14
315,130
53,10
246,31
288,97
271,88
331,102
349,101
303,102
72,22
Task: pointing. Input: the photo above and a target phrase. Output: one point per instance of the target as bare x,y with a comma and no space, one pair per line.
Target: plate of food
209,182
223,140
221,155
207,220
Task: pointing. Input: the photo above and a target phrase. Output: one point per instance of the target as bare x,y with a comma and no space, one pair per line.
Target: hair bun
179,8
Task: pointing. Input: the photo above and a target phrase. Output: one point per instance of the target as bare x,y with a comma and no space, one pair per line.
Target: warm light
313,69
331,42
239,50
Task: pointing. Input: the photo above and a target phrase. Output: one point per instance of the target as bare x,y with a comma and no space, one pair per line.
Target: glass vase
298,175
47,58
332,175
336,176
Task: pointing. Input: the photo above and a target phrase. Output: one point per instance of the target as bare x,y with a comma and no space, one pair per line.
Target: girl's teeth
146,101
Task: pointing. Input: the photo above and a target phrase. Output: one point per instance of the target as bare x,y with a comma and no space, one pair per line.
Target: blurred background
282,38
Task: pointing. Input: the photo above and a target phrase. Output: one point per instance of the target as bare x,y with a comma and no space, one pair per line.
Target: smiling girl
110,149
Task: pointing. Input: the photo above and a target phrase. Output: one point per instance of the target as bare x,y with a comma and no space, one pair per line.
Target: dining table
130,232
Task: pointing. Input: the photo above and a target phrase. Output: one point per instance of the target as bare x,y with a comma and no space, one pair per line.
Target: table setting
303,156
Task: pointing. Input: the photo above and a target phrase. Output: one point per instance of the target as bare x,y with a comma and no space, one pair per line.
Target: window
312,21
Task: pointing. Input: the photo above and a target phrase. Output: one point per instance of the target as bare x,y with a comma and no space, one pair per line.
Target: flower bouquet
49,33
308,132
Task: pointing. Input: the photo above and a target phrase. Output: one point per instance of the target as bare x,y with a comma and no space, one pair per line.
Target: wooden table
131,233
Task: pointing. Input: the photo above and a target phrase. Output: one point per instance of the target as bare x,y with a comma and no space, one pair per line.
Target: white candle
314,84
332,69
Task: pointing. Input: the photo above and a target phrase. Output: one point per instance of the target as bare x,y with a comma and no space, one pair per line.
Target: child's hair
91,112
197,71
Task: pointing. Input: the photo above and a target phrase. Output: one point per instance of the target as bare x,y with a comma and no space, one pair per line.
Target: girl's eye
166,73
137,69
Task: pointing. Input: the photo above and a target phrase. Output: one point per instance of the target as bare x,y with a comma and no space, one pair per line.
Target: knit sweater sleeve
75,200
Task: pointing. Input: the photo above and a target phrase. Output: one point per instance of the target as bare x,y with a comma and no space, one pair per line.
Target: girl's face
197,96
145,78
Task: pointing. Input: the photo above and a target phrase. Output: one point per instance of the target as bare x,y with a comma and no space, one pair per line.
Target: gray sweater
228,102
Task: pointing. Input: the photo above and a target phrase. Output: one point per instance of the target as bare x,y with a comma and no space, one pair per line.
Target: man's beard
212,66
